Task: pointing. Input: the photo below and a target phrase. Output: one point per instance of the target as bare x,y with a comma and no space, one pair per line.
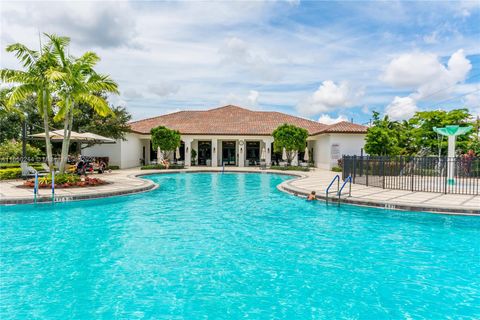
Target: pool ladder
339,189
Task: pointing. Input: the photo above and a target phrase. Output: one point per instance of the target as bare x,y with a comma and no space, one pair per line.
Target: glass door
204,152
229,155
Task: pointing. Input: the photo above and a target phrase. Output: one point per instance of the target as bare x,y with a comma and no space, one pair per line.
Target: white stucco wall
330,147
112,151
131,151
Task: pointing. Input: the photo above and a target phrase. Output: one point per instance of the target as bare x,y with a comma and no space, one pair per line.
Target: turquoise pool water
228,246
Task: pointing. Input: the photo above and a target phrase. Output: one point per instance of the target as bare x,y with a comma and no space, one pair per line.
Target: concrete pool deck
123,182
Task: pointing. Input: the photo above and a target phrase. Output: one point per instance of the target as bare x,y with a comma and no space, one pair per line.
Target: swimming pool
229,246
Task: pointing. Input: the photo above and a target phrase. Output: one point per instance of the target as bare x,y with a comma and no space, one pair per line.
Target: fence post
354,167
366,175
446,175
413,173
383,159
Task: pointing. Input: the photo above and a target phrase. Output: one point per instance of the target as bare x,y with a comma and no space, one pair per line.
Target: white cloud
250,100
401,108
424,73
163,89
236,51
326,119
330,96
253,97
472,102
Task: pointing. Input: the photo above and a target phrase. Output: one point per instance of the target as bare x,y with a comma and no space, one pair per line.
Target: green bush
113,168
17,165
337,169
160,166
12,173
13,149
290,168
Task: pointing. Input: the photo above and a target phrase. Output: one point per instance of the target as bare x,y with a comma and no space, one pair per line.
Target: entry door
229,156
204,152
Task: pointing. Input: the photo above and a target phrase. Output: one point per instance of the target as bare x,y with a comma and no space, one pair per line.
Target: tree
32,80
114,125
423,135
13,149
77,82
383,137
166,139
290,137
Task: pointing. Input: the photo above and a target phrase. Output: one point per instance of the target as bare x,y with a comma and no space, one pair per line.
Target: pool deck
123,182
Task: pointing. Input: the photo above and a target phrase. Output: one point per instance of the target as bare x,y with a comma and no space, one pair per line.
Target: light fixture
213,149
187,149
241,149
268,149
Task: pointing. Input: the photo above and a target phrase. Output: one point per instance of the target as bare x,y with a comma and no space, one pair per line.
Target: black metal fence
428,174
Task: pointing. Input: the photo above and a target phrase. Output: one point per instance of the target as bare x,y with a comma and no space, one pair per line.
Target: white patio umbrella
57,135
177,153
93,137
306,156
284,154
263,155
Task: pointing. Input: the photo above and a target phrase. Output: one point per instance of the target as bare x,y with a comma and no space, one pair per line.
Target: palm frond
97,103
58,45
27,56
88,60
55,74
20,93
97,83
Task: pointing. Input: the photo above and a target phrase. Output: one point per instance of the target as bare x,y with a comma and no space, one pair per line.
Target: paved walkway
126,182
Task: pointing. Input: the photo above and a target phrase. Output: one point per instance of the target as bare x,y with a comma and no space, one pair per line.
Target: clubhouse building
232,136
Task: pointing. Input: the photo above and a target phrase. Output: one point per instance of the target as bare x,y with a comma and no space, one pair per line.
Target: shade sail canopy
452,130
284,154
57,135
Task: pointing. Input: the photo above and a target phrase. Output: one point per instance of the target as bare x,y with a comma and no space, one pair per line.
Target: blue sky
321,60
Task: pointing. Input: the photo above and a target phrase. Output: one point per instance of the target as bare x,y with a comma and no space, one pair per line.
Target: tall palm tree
33,80
78,83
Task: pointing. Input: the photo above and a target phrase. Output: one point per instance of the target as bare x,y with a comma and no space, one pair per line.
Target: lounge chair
28,171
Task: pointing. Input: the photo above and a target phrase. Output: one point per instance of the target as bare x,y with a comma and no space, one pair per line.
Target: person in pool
312,196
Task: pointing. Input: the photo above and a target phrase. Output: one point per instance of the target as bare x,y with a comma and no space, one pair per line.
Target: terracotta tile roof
345,127
227,120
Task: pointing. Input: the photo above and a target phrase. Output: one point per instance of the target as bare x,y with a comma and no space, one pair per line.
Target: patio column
241,153
268,150
214,152
188,151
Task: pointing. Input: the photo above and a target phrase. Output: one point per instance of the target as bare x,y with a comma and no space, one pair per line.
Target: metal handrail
337,177
339,193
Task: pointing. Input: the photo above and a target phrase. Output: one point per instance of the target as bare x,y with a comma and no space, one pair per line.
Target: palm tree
78,83
33,80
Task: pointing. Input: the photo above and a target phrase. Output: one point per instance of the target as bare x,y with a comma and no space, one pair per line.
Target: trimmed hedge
290,168
160,166
337,169
9,165
12,173
113,167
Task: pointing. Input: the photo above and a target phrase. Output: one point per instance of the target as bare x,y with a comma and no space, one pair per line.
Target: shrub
12,173
337,169
160,166
290,168
35,165
113,168
13,149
